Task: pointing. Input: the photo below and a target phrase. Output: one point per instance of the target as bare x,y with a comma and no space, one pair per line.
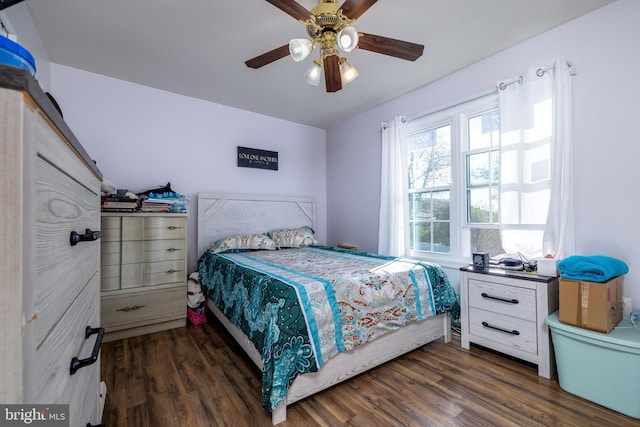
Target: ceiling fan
329,27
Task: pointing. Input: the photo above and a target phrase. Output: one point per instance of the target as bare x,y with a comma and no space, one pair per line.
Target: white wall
603,46
142,138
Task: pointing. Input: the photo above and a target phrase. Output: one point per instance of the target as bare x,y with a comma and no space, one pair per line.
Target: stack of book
119,204
163,202
156,205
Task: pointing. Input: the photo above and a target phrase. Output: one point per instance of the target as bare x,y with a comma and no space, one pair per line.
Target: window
453,169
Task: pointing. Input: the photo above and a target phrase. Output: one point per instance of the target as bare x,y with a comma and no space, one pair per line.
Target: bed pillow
294,237
243,242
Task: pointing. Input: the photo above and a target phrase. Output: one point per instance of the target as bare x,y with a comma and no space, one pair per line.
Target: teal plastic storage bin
602,368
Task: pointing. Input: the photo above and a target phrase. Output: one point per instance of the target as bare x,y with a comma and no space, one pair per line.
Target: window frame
457,116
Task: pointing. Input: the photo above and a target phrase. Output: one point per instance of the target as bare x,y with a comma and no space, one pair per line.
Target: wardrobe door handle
88,236
81,363
512,301
506,331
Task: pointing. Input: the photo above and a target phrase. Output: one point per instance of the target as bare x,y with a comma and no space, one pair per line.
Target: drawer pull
81,363
88,236
172,249
512,301
173,271
506,331
128,309
173,227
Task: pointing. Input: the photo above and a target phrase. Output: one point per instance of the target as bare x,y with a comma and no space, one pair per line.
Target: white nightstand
505,311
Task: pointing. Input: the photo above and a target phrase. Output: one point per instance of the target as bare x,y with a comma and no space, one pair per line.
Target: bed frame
221,215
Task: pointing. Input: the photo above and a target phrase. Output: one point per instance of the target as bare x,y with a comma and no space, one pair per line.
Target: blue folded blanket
594,268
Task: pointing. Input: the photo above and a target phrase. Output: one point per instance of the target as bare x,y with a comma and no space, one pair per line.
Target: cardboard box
591,305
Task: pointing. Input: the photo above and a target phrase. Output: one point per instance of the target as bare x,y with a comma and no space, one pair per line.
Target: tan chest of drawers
49,286
506,312
144,273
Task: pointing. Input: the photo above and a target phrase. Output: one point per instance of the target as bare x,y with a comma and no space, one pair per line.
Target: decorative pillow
293,238
243,242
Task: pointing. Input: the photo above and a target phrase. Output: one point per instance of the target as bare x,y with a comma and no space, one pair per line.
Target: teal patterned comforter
300,307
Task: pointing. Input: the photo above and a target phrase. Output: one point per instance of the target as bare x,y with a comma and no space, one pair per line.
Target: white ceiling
198,47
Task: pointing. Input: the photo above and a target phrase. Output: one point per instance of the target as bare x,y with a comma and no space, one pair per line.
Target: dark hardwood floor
199,376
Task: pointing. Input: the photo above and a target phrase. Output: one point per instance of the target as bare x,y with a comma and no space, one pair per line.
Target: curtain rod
539,72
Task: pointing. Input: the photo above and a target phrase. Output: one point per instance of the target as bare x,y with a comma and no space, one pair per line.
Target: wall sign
254,158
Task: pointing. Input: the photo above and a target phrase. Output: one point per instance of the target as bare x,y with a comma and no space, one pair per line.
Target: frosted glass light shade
313,74
348,39
347,71
300,49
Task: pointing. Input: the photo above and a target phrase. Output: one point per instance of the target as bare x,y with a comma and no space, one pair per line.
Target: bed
311,316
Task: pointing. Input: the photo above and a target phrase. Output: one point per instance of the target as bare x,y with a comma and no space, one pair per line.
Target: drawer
110,278
165,228
153,251
504,299
109,253
62,205
51,379
154,228
153,273
111,229
131,309
57,152
497,328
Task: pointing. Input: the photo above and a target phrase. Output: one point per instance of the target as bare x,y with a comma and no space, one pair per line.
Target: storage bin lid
624,335
11,53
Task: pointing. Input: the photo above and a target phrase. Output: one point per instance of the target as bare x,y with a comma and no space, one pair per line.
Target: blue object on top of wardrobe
11,53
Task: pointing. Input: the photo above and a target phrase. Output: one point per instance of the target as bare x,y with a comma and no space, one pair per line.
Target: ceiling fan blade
332,78
292,8
392,47
353,9
269,57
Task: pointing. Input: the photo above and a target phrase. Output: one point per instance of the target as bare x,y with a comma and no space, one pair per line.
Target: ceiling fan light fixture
313,74
347,71
348,39
300,49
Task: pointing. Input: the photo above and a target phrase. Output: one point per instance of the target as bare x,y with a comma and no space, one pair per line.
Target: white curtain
393,232
536,162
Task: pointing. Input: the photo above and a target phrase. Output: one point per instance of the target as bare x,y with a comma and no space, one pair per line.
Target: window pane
441,205
442,171
430,158
486,240
479,205
478,169
420,207
441,237
484,130
495,167
421,233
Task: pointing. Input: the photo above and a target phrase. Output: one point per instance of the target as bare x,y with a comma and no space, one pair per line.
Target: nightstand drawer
504,330
504,299
152,250
132,309
152,273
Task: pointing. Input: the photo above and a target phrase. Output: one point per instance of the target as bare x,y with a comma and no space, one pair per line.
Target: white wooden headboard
222,215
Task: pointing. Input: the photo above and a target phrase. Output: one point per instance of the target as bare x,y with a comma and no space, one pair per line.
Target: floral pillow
243,242
293,238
